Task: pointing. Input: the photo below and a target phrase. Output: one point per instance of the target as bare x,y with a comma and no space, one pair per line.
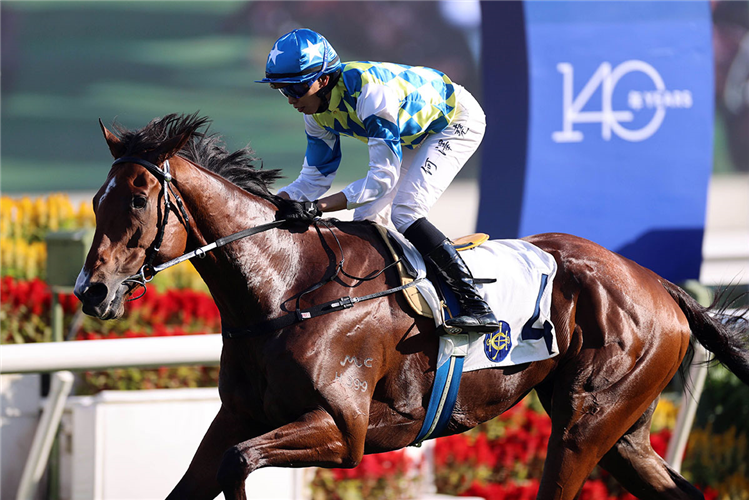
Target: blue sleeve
324,155
381,128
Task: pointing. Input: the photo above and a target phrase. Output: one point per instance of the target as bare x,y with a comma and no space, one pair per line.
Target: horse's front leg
313,440
199,482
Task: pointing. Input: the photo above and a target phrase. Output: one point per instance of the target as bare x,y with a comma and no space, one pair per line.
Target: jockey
420,129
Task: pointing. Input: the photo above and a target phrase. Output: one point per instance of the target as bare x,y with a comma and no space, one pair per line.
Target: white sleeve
377,107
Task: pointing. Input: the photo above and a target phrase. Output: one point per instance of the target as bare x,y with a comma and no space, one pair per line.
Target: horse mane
204,149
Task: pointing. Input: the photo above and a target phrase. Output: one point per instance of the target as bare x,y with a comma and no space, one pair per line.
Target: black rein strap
300,315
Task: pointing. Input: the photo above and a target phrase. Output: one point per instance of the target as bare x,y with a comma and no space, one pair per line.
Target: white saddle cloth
520,299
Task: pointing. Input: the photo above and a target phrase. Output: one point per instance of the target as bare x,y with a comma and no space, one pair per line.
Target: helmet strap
324,92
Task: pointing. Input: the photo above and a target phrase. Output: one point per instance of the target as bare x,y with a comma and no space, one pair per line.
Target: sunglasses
299,90
296,90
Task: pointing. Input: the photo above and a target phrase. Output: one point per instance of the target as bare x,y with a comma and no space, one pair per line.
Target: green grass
145,7
76,62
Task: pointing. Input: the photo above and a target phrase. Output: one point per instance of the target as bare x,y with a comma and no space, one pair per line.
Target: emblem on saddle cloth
519,294
497,344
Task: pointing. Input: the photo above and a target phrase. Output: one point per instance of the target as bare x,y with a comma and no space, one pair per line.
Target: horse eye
139,202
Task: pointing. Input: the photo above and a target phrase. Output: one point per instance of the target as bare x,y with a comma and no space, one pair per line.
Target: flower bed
503,460
25,222
378,477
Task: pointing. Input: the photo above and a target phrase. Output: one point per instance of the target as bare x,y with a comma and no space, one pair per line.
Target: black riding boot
439,251
475,313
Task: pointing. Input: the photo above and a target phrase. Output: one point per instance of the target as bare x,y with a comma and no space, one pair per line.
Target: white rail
81,355
62,383
688,410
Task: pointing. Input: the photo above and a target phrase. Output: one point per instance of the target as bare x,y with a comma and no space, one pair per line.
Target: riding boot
475,315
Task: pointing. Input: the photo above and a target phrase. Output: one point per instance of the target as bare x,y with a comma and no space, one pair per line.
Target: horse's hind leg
638,468
594,402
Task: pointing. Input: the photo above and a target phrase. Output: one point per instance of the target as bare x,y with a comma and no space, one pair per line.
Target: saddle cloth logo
497,344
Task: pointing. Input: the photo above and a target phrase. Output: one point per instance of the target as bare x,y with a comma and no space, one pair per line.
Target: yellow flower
665,415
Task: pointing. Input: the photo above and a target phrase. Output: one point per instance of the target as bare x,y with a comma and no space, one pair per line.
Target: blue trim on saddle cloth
545,332
445,387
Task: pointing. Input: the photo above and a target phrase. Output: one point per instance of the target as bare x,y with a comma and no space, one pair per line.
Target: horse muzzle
100,299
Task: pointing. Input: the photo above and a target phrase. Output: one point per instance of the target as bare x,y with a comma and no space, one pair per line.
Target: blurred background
66,64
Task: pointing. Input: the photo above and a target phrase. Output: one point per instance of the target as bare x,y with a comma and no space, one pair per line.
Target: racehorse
287,401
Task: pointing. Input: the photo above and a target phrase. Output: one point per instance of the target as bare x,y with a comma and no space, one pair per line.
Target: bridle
148,271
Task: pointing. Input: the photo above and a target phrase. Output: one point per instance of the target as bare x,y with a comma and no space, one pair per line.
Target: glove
299,213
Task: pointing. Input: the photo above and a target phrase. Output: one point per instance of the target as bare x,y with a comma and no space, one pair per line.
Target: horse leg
592,406
638,468
313,440
579,438
199,482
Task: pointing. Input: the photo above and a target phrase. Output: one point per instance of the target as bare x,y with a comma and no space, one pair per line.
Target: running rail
36,463
58,357
82,355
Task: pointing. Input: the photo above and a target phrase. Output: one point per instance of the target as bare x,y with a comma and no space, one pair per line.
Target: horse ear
114,143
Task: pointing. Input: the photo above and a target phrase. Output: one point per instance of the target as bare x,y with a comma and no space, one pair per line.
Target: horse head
134,230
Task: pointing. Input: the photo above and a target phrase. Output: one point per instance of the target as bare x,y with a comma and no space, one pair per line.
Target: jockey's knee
403,216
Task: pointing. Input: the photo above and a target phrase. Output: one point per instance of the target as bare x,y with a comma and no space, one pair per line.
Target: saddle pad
521,301
520,298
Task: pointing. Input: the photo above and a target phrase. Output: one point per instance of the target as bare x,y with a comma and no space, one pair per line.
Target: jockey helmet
301,56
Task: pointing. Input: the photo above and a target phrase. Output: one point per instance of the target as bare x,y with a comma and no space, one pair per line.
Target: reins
147,271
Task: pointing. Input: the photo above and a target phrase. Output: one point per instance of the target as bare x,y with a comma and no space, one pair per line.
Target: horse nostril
95,293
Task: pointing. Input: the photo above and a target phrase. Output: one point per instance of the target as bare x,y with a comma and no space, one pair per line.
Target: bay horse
285,401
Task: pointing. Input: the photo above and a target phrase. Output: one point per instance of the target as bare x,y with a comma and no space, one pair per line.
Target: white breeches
426,171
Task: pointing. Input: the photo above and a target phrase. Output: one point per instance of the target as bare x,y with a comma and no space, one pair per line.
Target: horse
285,398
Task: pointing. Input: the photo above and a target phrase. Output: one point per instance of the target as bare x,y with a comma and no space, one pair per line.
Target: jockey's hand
298,213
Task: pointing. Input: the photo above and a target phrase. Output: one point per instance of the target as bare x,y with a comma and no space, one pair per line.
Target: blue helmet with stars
300,56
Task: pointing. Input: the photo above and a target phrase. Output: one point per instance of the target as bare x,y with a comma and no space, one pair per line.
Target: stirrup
477,327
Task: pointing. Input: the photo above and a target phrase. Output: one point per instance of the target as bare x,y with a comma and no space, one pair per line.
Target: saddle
421,298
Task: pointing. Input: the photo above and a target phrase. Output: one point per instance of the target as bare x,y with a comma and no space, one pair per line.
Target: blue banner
600,124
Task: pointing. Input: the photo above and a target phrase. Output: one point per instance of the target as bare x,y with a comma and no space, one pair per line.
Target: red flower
484,454
594,490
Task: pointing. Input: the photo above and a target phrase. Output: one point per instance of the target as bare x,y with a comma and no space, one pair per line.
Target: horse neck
240,274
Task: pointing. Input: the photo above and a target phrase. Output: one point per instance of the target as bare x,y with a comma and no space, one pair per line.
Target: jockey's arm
333,203
377,108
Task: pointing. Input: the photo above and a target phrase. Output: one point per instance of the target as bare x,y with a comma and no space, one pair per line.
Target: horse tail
725,335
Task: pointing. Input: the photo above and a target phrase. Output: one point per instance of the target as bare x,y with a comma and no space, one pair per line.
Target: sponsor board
600,124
